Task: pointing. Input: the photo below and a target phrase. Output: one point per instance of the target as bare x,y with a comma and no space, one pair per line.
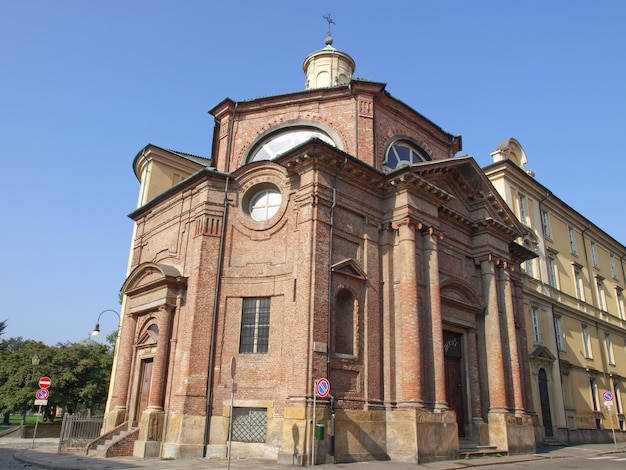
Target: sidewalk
45,455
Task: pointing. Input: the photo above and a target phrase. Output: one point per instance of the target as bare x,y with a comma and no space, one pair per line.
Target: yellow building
574,309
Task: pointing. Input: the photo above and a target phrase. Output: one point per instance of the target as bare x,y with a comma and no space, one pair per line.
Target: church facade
332,233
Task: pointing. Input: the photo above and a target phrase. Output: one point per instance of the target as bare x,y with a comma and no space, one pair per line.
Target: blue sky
85,85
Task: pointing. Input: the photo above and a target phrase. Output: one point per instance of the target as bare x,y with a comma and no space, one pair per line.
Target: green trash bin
319,432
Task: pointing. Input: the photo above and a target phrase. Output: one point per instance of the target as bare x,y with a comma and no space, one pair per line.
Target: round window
264,204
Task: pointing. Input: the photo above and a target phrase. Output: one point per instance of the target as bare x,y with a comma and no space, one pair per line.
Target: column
505,288
493,339
436,328
125,361
409,324
476,407
159,368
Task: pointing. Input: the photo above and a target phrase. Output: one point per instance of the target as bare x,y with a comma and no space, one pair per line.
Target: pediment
148,276
542,354
349,267
475,202
462,295
153,285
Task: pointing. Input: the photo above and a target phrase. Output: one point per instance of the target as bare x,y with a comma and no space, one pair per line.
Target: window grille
255,325
249,424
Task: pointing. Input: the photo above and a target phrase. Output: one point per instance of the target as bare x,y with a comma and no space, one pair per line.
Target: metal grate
249,424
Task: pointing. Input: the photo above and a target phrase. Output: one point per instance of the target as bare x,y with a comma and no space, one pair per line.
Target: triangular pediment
542,354
349,267
475,201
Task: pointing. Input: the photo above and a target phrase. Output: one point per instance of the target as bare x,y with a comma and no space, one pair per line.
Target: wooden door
145,378
455,391
544,397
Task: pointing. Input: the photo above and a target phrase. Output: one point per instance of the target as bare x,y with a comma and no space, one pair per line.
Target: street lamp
96,330
35,360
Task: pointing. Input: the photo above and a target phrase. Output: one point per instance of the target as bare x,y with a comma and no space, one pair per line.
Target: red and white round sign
44,382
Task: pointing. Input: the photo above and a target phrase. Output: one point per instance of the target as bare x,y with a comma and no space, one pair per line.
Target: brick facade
424,256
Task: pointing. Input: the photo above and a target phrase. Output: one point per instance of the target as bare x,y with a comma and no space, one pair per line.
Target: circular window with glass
262,202
401,154
284,140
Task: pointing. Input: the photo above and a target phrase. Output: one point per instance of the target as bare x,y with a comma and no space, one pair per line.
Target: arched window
402,153
284,140
344,322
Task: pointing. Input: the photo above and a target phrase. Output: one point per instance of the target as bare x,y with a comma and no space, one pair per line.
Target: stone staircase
119,442
469,449
552,442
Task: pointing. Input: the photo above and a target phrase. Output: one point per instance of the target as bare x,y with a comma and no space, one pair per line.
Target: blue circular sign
608,396
323,387
42,394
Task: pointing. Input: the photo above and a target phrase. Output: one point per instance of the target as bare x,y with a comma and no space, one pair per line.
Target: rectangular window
572,241
586,342
547,228
529,265
594,255
255,325
593,386
553,272
524,213
578,284
619,296
601,294
249,424
614,272
617,399
558,331
609,349
523,209
534,316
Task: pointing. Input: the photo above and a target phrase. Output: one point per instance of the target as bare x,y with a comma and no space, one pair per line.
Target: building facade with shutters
332,232
574,308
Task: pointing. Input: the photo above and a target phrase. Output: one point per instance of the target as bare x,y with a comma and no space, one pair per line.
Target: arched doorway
544,397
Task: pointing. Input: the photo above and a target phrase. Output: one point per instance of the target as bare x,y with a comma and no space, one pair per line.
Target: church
332,233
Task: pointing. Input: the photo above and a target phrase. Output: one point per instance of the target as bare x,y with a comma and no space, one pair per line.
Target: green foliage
79,372
3,326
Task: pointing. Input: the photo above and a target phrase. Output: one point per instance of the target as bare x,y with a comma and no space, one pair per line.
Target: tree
18,382
3,325
79,372
80,376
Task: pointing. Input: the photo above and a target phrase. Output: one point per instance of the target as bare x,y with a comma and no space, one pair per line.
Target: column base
148,443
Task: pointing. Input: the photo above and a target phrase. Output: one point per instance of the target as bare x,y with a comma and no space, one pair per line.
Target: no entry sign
44,382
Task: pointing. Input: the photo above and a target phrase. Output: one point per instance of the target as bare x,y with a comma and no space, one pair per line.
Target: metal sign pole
233,372
230,427
612,427
311,458
36,423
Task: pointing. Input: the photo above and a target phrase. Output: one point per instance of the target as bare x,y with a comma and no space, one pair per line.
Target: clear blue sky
84,85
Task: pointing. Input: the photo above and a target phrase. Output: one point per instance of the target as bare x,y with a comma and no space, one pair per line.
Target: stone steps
470,450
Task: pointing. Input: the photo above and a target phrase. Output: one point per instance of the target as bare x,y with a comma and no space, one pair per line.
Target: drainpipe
216,299
330,300
330,265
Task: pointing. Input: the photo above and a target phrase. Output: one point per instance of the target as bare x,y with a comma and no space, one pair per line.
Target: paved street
18,453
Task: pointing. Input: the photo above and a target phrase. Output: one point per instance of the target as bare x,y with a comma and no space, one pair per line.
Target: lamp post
96,330
34,362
